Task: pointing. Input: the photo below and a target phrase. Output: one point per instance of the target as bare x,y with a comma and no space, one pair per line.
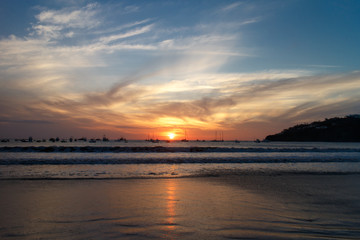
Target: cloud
250,21
131,8
68,18
231,6
26,121
59,24
276,99
121,27
132,33
76,70
310,111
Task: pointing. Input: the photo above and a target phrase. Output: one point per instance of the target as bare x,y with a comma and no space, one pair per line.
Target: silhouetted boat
120,139
185,137
216,137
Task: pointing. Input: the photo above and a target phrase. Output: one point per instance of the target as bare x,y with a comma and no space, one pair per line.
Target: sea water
140,159
179,190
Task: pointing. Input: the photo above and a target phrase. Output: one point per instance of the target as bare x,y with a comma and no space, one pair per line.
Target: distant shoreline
336,129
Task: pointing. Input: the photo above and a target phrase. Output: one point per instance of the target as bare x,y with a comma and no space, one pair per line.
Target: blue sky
129,68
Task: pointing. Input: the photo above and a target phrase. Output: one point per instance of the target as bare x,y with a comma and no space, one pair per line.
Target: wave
161,149
183,160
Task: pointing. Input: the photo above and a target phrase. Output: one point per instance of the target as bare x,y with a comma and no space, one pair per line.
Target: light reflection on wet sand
171,201
171,204
262,207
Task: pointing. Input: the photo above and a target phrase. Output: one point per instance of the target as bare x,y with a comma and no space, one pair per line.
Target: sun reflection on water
171,204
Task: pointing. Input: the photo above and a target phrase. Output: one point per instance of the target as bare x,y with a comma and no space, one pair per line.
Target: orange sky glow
240,71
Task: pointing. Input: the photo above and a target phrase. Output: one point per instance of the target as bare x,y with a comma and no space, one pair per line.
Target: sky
241,69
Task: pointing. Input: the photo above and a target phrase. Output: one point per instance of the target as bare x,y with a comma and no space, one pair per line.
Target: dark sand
292,206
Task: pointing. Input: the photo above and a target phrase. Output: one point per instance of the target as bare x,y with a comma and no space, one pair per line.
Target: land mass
346,129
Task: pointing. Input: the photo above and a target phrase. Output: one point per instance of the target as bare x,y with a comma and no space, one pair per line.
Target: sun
171,135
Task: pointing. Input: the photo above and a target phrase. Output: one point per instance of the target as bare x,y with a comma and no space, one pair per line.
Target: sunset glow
171,136
130,68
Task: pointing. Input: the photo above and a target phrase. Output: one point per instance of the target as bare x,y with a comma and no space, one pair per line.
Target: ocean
179,190
139,159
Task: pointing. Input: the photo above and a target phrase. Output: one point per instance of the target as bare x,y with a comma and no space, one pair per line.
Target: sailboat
153,140
185,139
216,137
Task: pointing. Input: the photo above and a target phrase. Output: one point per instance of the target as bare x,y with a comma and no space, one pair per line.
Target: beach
179,119
236,206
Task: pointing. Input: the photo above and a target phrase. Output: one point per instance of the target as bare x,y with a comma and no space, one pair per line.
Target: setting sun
171,135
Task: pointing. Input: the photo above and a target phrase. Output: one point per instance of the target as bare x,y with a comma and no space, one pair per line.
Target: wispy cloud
75,70
250,21
323,66
68,18
294,99
121,27
58,24
25,121
132,33
231,6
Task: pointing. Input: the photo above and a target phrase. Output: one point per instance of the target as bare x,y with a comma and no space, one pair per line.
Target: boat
221,135
185,137
122,139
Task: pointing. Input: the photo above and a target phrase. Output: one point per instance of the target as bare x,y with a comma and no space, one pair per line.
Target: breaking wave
161,149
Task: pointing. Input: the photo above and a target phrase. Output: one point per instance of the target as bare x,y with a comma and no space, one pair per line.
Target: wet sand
256,206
